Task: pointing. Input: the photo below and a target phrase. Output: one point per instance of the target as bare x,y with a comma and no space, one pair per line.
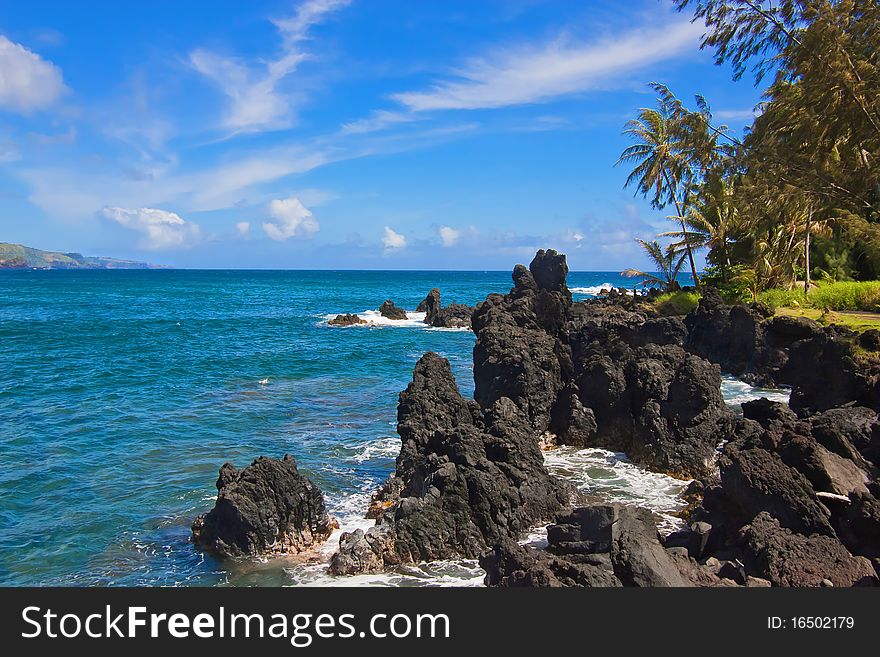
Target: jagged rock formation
599,545
389,310
465,479
348,319
827,367
598,373
455,315
796,503
266,508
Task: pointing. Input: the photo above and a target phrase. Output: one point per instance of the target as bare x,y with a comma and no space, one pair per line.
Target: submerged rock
465,479
390,311
266,508
346,320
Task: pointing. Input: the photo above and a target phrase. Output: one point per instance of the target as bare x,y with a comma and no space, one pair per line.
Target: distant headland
18,256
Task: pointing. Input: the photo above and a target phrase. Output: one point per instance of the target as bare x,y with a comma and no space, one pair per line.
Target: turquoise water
122,393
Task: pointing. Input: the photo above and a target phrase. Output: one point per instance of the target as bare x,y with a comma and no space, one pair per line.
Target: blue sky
377,134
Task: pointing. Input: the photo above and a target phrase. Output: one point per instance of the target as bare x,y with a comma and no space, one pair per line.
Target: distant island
18,256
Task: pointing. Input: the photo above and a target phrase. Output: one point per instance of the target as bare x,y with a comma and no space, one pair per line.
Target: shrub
777,297
845,295
676,303
849,295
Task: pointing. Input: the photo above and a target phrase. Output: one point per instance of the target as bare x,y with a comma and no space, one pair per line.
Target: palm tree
668,262
712,222
661,168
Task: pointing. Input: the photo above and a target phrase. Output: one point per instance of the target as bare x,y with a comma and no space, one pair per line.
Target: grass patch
676,303
857,321
843,296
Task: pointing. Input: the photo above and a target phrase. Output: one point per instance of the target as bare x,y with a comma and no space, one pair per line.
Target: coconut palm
668,262
711,222
661,168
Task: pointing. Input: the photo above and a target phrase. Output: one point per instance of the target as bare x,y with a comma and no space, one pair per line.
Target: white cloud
161,229
242,228
27,81
516,76
449,236
736,115
256,102
392,240
377,121
291,219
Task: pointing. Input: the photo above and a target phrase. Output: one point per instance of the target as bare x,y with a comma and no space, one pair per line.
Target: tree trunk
687,245
807,254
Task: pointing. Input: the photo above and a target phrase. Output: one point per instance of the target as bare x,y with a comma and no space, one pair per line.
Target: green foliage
849,295
676,303
777,297
841,296
729,281
804,182
668,262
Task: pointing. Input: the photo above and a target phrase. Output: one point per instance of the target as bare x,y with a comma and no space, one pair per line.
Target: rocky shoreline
784,496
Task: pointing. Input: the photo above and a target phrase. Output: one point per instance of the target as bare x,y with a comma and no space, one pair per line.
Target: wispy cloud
257,103
160,229
735,115
27,81
377,121
521,75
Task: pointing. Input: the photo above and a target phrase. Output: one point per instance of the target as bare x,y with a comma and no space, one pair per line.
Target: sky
339,134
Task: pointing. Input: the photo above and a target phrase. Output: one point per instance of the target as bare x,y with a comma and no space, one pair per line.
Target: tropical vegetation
797,198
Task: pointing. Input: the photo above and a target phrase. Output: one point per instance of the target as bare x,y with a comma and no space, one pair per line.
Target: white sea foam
593,290
374,319
736,392
383,448
611,477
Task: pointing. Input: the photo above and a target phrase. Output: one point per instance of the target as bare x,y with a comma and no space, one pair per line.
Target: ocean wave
383,448
593,290
611,477
736,392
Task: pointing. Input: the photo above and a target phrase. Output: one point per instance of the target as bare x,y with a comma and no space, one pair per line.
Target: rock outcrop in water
455,315
391,311
598,374
791,500
347,319
266,508
465,479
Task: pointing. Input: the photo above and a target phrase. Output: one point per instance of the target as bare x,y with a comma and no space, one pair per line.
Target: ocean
123,392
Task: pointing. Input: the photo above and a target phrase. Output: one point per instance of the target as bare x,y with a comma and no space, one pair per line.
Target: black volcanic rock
268,507
600,373
465,479
789,559
346,320
599,545
756,480
430,304
455,315
826,367
390,311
